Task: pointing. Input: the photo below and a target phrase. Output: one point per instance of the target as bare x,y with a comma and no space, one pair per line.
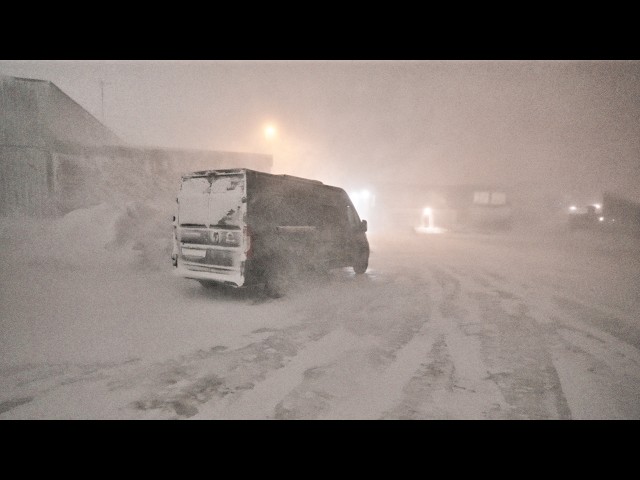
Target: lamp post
270,132
427,212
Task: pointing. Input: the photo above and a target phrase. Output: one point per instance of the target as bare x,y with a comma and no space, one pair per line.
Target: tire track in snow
24,388
593,350
348,385
599,382
169,389
239,383
451,382
495,353
487,351
518,345
438,364
600,371
521,362
609,322
204,384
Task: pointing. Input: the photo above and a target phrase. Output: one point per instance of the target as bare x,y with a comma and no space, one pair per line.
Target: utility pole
102,98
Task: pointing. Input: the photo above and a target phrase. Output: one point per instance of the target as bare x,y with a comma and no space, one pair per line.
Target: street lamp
429,227
270,132
427,212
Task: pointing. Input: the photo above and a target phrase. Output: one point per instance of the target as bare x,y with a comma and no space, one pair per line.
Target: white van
241,227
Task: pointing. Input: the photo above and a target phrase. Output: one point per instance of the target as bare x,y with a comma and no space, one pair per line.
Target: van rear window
212,200
195,186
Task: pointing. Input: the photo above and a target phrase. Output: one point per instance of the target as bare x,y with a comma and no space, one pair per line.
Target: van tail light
248,243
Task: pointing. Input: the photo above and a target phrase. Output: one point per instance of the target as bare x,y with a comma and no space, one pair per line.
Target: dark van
241,227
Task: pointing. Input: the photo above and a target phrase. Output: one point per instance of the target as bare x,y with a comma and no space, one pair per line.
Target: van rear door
193,202
212,239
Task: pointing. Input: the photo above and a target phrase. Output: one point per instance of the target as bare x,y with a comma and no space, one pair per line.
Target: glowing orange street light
270,132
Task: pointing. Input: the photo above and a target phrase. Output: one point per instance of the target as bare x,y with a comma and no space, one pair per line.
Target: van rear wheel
273,290
276,278
209,285
275,284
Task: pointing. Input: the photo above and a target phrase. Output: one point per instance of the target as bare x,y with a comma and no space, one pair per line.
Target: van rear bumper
196,271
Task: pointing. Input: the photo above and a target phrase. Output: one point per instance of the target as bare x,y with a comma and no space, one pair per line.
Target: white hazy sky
572,125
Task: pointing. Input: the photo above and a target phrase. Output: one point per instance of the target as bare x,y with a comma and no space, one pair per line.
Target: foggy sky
572,125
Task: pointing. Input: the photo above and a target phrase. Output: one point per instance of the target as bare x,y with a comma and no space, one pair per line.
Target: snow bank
125,235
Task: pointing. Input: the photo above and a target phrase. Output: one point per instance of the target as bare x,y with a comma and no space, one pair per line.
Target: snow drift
124,235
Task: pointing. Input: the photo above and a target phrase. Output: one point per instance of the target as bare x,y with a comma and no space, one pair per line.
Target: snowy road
448,326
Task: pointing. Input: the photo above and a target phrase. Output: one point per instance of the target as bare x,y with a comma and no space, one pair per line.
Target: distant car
585,219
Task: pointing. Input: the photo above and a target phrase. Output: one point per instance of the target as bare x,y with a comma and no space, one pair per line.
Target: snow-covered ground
520,325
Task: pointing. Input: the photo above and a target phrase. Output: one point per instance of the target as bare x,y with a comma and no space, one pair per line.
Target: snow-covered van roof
236,171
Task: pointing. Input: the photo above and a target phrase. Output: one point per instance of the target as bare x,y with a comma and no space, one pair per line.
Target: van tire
272,291
360,268
209,285
362,262
275,280
274,286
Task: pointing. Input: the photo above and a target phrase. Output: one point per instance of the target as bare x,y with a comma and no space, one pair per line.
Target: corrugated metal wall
20,115
26,181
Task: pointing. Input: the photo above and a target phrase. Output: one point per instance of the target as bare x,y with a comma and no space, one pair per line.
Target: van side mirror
363,225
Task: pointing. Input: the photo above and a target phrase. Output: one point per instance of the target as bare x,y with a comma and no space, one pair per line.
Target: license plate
194,252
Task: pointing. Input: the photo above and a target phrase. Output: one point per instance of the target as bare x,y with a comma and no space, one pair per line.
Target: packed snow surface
536,324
